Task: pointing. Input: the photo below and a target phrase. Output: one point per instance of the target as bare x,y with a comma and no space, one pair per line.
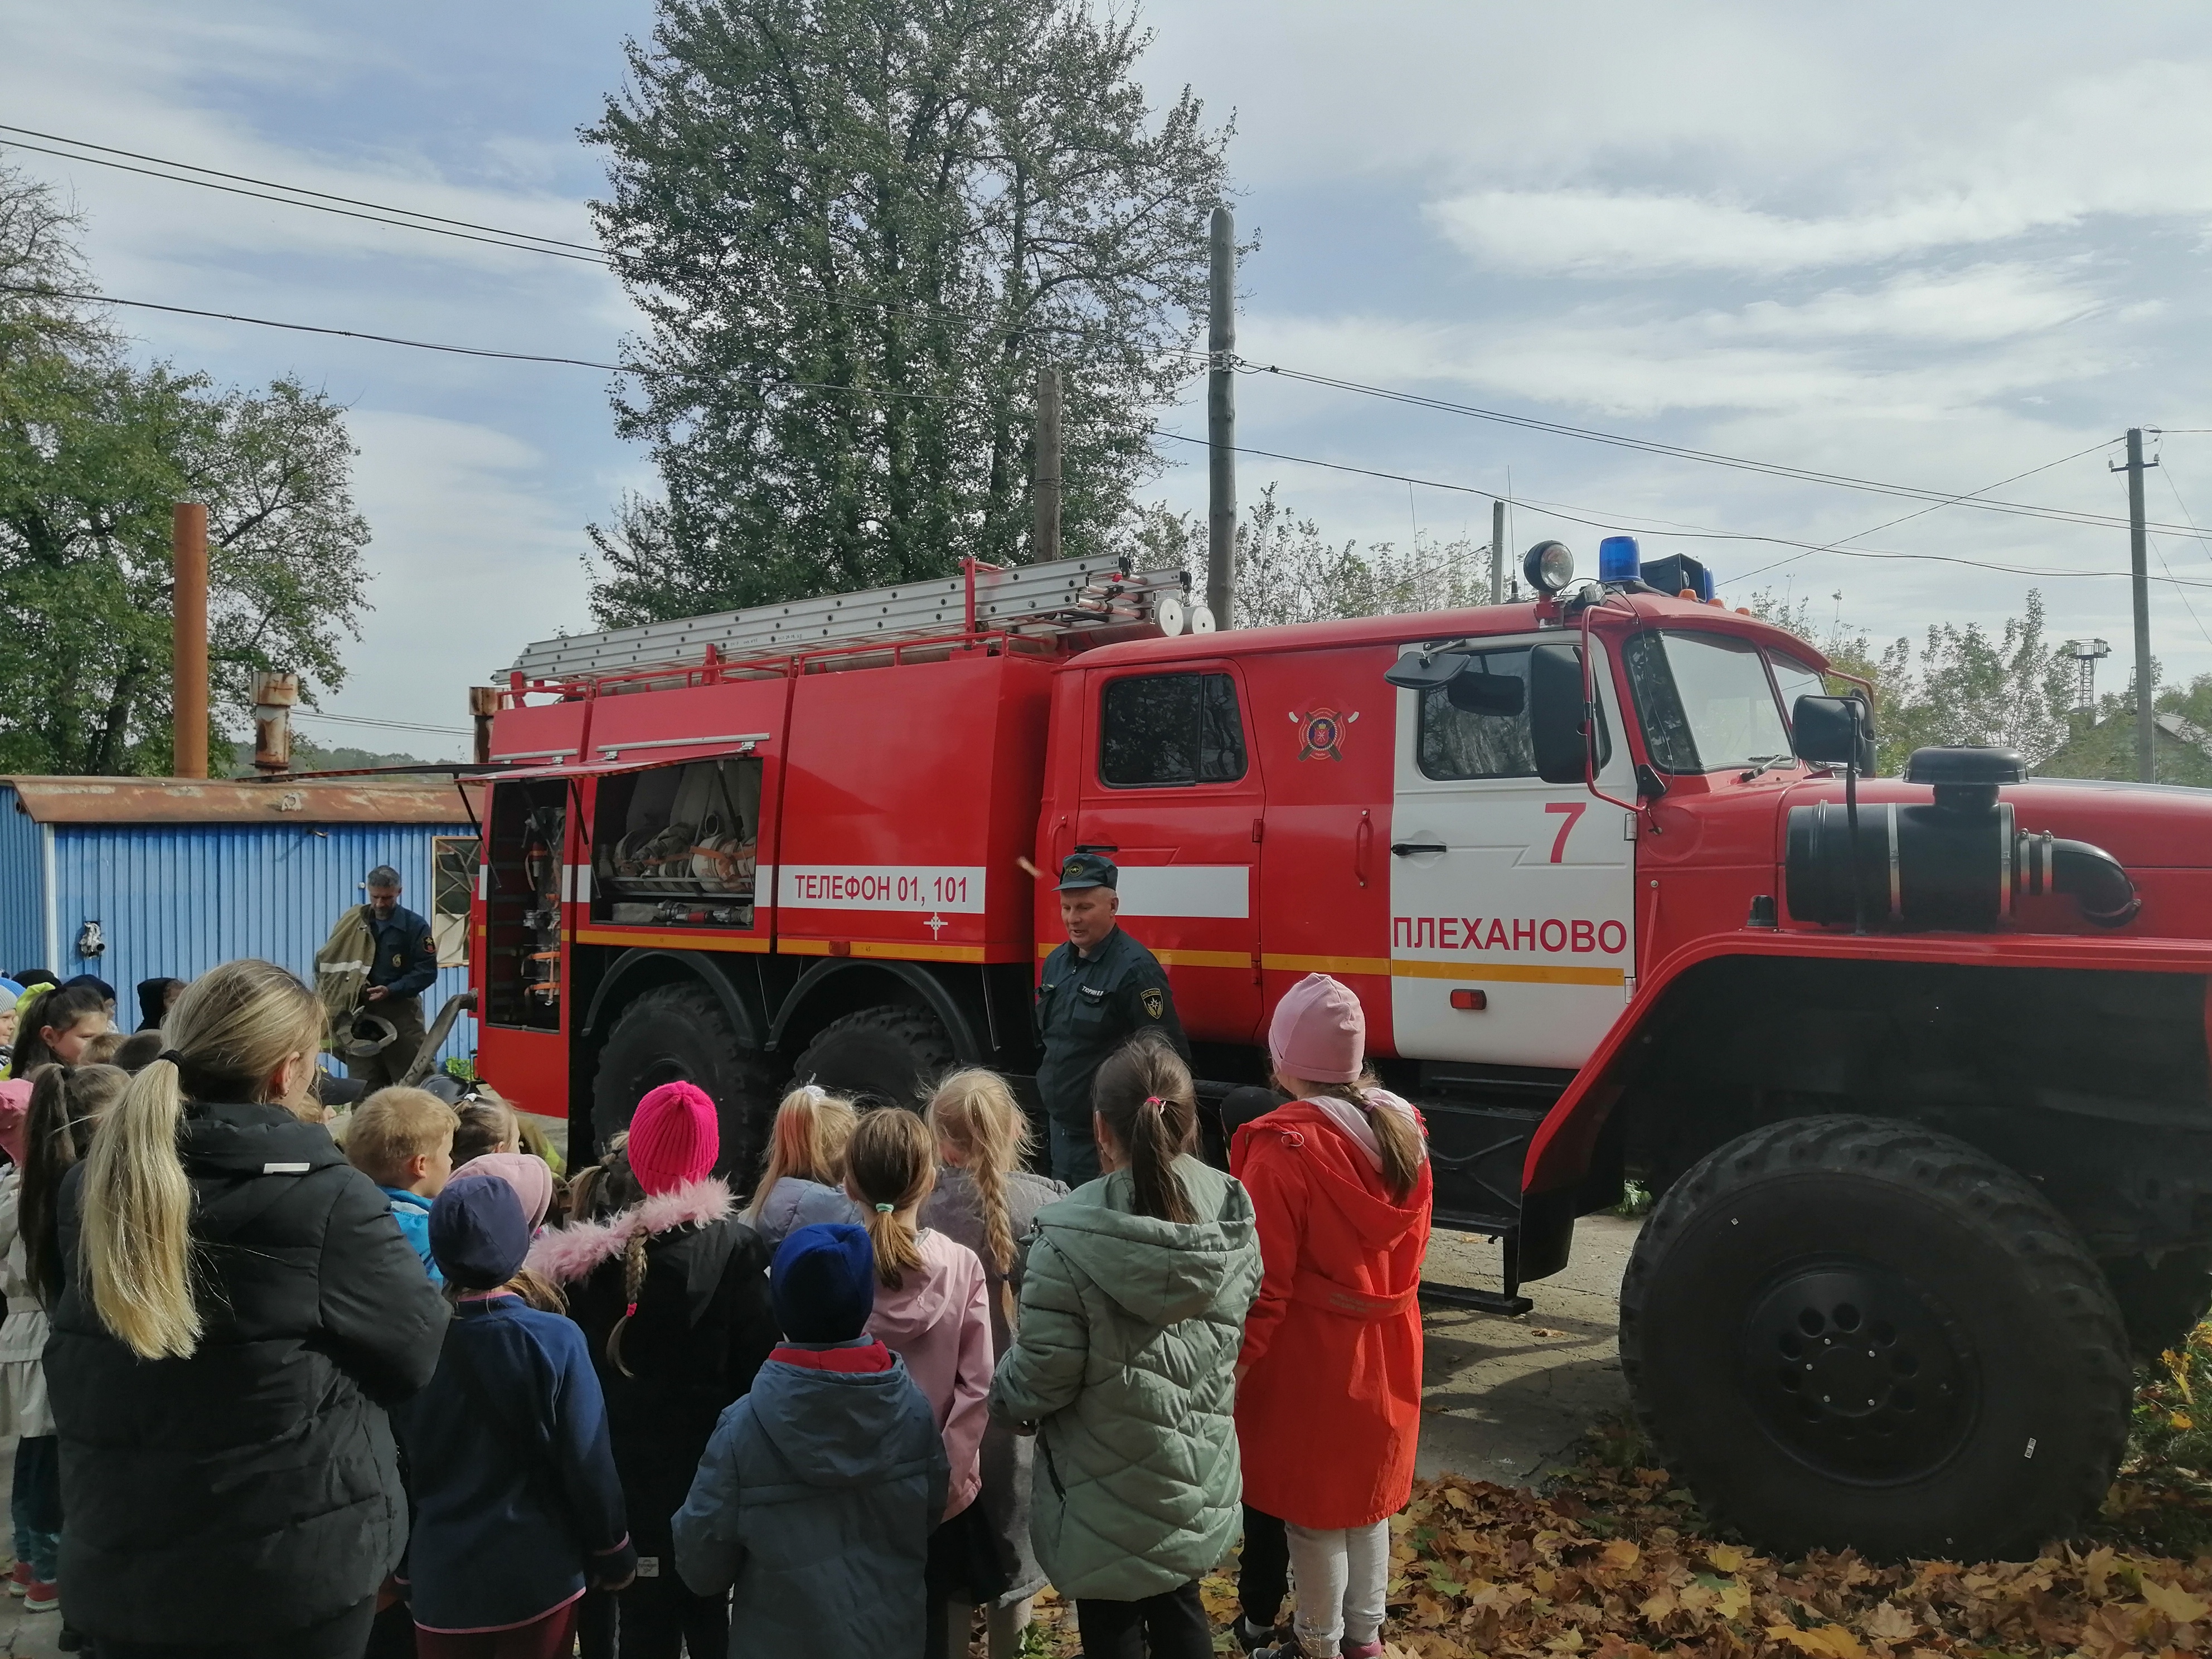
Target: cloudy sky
1926,246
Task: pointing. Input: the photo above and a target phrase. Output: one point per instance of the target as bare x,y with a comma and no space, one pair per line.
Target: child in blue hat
517,1509
820,1488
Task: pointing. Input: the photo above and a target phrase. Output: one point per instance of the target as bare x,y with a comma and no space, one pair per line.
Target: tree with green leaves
2011,691
856,229
93,452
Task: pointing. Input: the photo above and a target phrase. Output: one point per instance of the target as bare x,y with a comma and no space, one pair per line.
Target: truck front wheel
1851,1332
676,1033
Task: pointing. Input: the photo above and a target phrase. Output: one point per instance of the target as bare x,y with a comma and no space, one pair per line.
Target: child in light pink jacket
931,1311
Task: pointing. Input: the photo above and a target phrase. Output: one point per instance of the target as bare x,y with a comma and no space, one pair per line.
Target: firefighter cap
1082,870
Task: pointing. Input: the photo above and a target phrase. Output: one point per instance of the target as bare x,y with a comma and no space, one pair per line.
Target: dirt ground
1504,1398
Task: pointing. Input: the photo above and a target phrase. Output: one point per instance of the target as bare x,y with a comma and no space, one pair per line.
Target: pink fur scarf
567,1254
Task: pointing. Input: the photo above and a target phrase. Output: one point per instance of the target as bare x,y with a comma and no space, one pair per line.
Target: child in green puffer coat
1124,1364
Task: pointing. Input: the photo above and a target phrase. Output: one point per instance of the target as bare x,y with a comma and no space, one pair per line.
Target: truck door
1172,793
1512,912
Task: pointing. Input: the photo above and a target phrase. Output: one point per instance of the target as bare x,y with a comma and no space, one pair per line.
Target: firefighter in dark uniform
1098,990
404,965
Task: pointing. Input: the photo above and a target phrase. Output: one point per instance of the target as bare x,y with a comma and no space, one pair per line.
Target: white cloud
1602,233
472,561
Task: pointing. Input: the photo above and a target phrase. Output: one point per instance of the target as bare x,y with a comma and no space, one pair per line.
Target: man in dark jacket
1097,992
250,1494
403,966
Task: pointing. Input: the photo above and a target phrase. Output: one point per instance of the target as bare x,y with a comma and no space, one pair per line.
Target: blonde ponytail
890,1164
229,1032
806,1143
137,1221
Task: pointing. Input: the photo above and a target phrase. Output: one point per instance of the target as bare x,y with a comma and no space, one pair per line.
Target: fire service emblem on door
1324,731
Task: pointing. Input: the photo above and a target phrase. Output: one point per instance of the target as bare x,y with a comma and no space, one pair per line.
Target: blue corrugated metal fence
179,898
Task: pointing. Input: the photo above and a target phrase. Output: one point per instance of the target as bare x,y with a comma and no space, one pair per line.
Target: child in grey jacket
819,1489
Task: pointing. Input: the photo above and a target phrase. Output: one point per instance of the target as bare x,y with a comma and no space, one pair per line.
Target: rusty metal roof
216,800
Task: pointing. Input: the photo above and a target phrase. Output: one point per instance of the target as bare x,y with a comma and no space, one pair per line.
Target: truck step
1507,1305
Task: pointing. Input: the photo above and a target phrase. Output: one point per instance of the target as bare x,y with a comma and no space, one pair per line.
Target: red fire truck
1918,1065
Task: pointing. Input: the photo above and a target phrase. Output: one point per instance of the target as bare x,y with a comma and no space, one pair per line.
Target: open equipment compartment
678,845
528,834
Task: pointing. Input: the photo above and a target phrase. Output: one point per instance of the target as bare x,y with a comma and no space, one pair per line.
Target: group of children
909,1380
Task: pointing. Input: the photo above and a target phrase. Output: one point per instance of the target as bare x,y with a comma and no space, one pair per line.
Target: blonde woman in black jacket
238,1308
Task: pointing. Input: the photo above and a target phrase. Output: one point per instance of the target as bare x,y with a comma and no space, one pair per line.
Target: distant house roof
2181,751
218,800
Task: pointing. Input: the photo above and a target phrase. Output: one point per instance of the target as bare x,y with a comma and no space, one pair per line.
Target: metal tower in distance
2085,653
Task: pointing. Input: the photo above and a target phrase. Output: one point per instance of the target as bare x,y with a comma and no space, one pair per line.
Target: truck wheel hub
1857,1371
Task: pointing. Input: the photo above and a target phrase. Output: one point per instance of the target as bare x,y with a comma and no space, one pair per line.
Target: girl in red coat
1330,1404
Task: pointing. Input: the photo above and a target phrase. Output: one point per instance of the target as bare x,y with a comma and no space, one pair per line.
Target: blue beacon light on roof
1617,560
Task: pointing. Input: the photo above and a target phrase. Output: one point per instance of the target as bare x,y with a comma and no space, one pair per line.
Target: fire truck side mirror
1467,688
1833,732
1555,714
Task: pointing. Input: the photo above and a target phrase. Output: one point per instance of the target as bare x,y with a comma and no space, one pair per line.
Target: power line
494,240
312,328
1616,522
395,725
500,236
423,345
1836,546
296,190
1677,451
495,236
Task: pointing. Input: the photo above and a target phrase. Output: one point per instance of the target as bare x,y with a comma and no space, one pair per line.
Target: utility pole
1044,533
188,658
2146,754
1221,422
1498,551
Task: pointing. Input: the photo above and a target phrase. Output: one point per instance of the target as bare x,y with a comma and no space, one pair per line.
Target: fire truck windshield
1706,701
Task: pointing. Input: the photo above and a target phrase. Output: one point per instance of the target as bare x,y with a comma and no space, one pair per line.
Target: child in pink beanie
1330,1410
674,1139
671,1291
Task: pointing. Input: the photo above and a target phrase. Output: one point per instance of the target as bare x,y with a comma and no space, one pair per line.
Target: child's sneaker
1250,1636
42,1597
19,1579
1351,1649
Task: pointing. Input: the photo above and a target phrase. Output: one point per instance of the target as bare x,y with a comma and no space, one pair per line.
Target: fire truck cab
1917,1065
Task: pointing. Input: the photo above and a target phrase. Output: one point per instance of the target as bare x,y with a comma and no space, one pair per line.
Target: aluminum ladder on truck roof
1063,596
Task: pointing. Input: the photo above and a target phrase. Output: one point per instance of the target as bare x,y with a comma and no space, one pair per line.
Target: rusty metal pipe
483,703
188,719
275,695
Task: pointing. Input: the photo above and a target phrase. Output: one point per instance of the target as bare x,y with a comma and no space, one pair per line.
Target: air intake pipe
1957,863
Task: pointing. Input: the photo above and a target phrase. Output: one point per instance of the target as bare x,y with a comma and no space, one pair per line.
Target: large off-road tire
680,1032
1846,1331
891,1056
2161,1302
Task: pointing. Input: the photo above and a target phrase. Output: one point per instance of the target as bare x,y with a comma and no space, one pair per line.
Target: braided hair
607,1188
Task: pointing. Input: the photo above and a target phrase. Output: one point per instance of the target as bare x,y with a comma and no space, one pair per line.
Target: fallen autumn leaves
1613,1563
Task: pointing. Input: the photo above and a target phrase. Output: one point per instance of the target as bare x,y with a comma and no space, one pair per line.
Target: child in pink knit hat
671,1291
674,1139
1340,1187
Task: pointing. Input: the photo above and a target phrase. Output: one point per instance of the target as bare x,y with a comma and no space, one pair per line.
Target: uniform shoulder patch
1155,1000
